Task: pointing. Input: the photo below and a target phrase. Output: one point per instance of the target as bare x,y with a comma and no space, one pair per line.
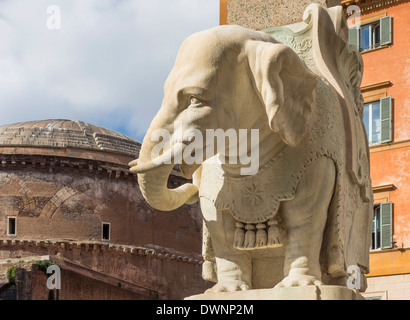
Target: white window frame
376,228
382,224
372,35
386,133
375,295
370,133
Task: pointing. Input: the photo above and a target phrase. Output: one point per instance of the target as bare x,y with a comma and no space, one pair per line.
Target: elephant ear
285,85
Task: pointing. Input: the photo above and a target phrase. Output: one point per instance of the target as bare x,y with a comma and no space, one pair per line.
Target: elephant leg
305,219
233,273
233,267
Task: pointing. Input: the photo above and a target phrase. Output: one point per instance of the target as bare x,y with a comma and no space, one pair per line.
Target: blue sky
100,61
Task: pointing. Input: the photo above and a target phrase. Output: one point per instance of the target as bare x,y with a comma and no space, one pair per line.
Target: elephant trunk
154,188
153,177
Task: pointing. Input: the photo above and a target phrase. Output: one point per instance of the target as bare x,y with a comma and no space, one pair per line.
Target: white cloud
106,65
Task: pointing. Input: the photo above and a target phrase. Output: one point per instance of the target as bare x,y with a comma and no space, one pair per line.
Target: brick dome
67,134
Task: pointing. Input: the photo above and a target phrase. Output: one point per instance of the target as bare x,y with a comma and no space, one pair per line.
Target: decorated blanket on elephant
254,200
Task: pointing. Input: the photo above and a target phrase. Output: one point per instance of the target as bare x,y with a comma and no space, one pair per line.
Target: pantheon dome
67,196
67,134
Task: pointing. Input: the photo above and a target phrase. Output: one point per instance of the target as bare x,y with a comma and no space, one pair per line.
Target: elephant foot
229,286
299,280
301,274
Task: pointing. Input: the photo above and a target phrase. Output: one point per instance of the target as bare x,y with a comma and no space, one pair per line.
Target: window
375,295
106,231
11,226
371,35
377,120
382,228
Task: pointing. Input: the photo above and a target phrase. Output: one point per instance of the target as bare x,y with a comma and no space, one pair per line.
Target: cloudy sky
100,61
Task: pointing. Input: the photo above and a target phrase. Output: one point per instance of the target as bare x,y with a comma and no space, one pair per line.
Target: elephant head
226,77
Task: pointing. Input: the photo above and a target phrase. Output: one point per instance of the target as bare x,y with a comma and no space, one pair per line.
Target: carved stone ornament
305,216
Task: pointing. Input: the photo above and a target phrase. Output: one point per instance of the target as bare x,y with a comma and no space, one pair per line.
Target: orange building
382,37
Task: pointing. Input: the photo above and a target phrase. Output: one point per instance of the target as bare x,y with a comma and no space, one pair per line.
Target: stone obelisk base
293,293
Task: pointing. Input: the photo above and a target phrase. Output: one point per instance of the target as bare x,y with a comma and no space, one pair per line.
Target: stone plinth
291,293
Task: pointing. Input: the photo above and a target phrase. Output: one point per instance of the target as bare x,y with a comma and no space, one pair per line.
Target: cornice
367,6
389,146
375,86
383,188
51,164
50,160
95,246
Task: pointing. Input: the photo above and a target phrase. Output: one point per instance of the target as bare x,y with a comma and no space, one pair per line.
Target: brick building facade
66,195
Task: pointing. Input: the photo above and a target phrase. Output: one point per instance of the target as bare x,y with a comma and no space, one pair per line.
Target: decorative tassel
276,234
261,236
239,236
249,236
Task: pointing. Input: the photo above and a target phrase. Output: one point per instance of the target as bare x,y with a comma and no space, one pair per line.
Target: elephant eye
194,100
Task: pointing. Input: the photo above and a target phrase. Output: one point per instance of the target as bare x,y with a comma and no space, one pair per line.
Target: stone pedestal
292,293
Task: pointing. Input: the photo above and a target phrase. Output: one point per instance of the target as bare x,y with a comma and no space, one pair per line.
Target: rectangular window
371,118
371,35
377,120
376,228
106,231
11,226
382,228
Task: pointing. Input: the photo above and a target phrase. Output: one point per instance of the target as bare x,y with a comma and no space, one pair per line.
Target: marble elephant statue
304,216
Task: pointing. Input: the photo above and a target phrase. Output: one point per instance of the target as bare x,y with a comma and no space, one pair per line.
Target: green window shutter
354,37
386,226
385,30
385,106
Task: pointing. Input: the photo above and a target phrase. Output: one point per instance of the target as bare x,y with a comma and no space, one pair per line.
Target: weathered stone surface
290,293
308,205
263,14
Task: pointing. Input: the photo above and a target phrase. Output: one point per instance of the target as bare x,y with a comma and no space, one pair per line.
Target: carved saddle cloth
256,199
